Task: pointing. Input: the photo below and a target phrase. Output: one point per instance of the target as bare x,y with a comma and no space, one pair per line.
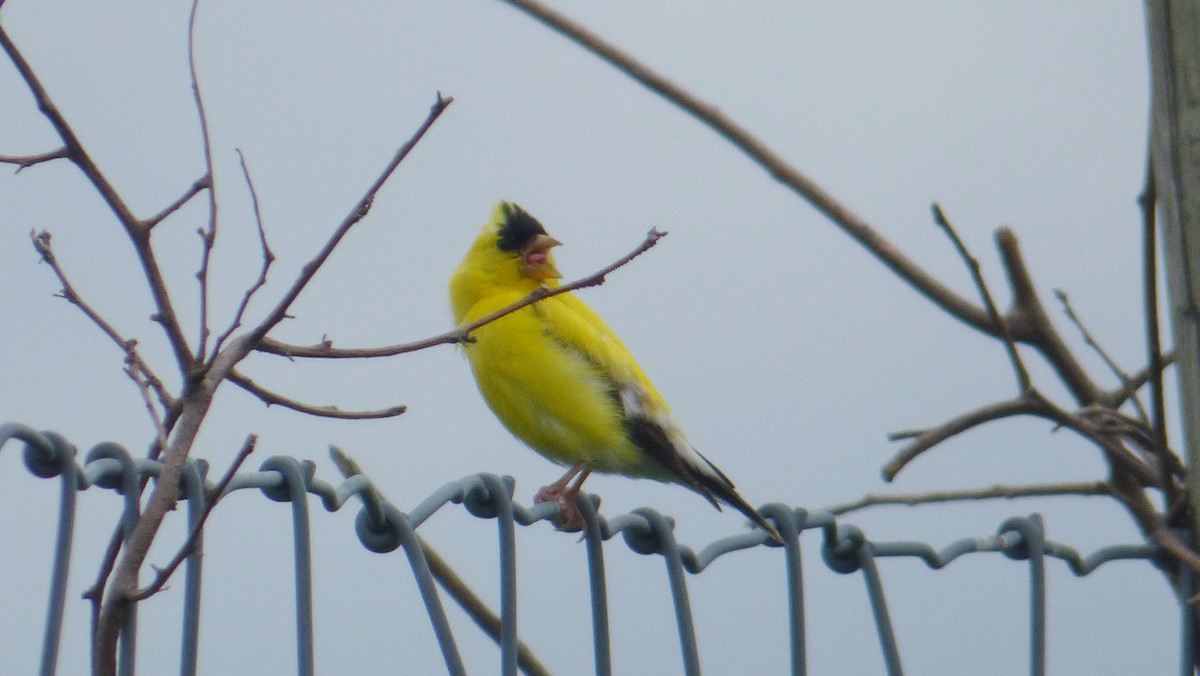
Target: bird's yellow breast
546,393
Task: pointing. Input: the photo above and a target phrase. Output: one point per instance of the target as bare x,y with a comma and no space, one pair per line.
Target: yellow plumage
560,380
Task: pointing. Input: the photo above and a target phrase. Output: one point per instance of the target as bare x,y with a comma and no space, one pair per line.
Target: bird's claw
569,518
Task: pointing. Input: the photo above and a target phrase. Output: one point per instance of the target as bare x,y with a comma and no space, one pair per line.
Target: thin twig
1028,322
1031,403
325,348
137,232
927,439
201,385
1116,398
1023,381
849,222
272,399
207,235
1090,341
268,257
189,545
1115,422
41,243
360,210
201,381
1138,433
1086,488
144,386
26,161
202,183
1122,460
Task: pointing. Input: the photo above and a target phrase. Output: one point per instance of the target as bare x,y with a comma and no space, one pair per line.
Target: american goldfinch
561,381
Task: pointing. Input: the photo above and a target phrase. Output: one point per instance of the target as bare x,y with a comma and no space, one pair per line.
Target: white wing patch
634,399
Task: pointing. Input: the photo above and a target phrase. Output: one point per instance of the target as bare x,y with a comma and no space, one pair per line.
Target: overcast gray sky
787,352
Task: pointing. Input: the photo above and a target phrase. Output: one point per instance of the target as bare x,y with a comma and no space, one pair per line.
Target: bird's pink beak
536,258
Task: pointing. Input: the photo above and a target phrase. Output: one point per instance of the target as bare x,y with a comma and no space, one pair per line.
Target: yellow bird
561,381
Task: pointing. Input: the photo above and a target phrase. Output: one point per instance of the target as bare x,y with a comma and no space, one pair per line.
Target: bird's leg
552,492
569,518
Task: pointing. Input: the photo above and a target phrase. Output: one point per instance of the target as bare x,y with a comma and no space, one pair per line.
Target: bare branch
73,148
325,348
359,211
271,398
26,161
1023,381
1084,488
137,232
841,215
1116,398
208,235
267,259
1031,403
201,385
138,366
1121,459
143,383
1029,323
1139,434
1090,341
189,545
927,439
202,183
1111,421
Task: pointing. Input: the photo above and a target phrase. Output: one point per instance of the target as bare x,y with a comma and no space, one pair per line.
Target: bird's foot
569,518
549,493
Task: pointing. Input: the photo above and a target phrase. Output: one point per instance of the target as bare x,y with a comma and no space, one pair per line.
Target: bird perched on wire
561,381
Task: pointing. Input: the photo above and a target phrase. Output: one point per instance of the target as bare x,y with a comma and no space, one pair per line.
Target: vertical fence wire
593,534
428,590
193,491
1032,547
501,496
47,456
788,522
383,528
294,489
883,619
127,481
659,538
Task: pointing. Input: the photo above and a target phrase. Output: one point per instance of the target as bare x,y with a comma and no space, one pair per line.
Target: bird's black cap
518,228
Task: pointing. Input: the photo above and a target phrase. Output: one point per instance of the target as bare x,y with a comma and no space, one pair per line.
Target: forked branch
162,575
201,386
268,257
138,232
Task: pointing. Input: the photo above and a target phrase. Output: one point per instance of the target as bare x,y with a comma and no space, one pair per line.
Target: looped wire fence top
383,528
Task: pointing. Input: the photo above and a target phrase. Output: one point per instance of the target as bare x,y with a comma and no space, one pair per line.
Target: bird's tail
716,486
667,445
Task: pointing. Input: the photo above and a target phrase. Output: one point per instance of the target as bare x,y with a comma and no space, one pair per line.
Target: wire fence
383,528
